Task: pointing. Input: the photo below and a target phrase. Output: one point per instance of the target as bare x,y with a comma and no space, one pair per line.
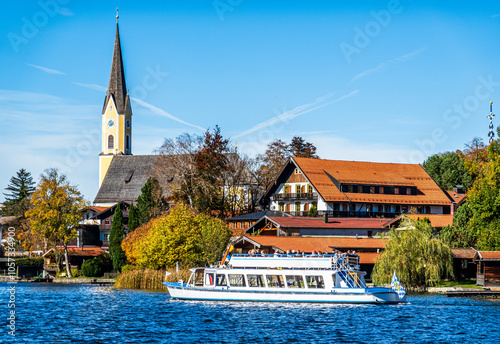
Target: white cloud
383,66
92,86
163,113
46,70
298,111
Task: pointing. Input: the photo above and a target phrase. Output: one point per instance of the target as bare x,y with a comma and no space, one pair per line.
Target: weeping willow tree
419,258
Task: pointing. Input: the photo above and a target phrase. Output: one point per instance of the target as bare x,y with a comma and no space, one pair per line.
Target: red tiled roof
322,172
463,253
98,209
309,244
84,251
456,197
490,255
314,222
437,220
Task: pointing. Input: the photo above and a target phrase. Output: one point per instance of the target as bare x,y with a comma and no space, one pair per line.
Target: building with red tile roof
316,226
368,249
488,268
355,189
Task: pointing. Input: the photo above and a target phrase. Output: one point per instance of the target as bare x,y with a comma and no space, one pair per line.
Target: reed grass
149,279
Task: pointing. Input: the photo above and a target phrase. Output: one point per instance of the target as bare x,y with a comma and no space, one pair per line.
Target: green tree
134,218
56,209
419,258
20,189
459,234
151,202
115,239
448,170
182,236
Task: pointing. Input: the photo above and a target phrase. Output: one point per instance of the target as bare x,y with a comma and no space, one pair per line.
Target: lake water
47,313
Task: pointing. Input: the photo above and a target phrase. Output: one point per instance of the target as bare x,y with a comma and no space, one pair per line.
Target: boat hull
336,295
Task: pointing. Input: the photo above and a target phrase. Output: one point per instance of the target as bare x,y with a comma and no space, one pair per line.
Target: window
396,191
111,142
315,282
380,189
209,279
256,281
350,189
408,191
360,189
297,206
198,277
236,280
220,280
275,281
294,281
297,188
106,236
127,144
286,189
282,206
297,171
372,189
309,188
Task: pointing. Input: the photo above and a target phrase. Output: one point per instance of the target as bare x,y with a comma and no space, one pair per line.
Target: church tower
116,114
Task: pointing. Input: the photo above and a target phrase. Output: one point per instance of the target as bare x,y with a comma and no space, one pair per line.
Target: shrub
92,268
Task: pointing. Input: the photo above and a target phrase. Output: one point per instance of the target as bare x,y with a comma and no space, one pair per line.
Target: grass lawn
464,284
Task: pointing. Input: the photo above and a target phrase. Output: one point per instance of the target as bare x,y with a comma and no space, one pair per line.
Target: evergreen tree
150,204
134,220
115,240
20,188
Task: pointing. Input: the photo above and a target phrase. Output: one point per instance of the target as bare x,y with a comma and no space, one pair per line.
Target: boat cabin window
209,279
220,280
275,281
256,281
236,280
295,281
315,282
198,277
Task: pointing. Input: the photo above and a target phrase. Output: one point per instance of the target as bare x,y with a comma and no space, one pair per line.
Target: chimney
325,217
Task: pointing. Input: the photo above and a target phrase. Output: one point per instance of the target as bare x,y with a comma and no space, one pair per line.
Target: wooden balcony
307,196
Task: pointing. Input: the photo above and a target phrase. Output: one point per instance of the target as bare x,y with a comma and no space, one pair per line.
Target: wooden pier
474,293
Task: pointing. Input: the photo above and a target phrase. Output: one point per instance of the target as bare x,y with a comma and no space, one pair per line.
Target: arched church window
111,142
127,144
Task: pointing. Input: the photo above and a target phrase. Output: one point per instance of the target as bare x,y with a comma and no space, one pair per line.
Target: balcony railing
295,196
338,213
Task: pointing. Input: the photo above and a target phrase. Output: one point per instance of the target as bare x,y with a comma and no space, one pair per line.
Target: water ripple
48,313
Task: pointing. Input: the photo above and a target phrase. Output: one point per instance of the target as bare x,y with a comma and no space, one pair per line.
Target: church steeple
117,87
116,113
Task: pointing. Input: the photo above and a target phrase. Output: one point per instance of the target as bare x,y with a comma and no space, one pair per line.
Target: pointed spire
117,87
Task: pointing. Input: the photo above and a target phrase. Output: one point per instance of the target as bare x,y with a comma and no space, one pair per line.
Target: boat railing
347,273
308,261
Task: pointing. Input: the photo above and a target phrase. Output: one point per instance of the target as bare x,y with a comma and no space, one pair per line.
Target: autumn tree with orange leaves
56,209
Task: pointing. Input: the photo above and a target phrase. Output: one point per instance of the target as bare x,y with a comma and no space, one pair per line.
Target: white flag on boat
395,285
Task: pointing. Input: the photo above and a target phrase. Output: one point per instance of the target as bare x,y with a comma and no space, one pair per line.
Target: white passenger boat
330,279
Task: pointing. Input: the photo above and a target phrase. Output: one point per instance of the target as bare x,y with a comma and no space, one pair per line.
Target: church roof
127,174
125,177
117,87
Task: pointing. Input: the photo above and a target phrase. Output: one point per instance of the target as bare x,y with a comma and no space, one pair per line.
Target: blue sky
389,81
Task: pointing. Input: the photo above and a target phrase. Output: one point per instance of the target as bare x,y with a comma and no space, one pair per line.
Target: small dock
474,293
